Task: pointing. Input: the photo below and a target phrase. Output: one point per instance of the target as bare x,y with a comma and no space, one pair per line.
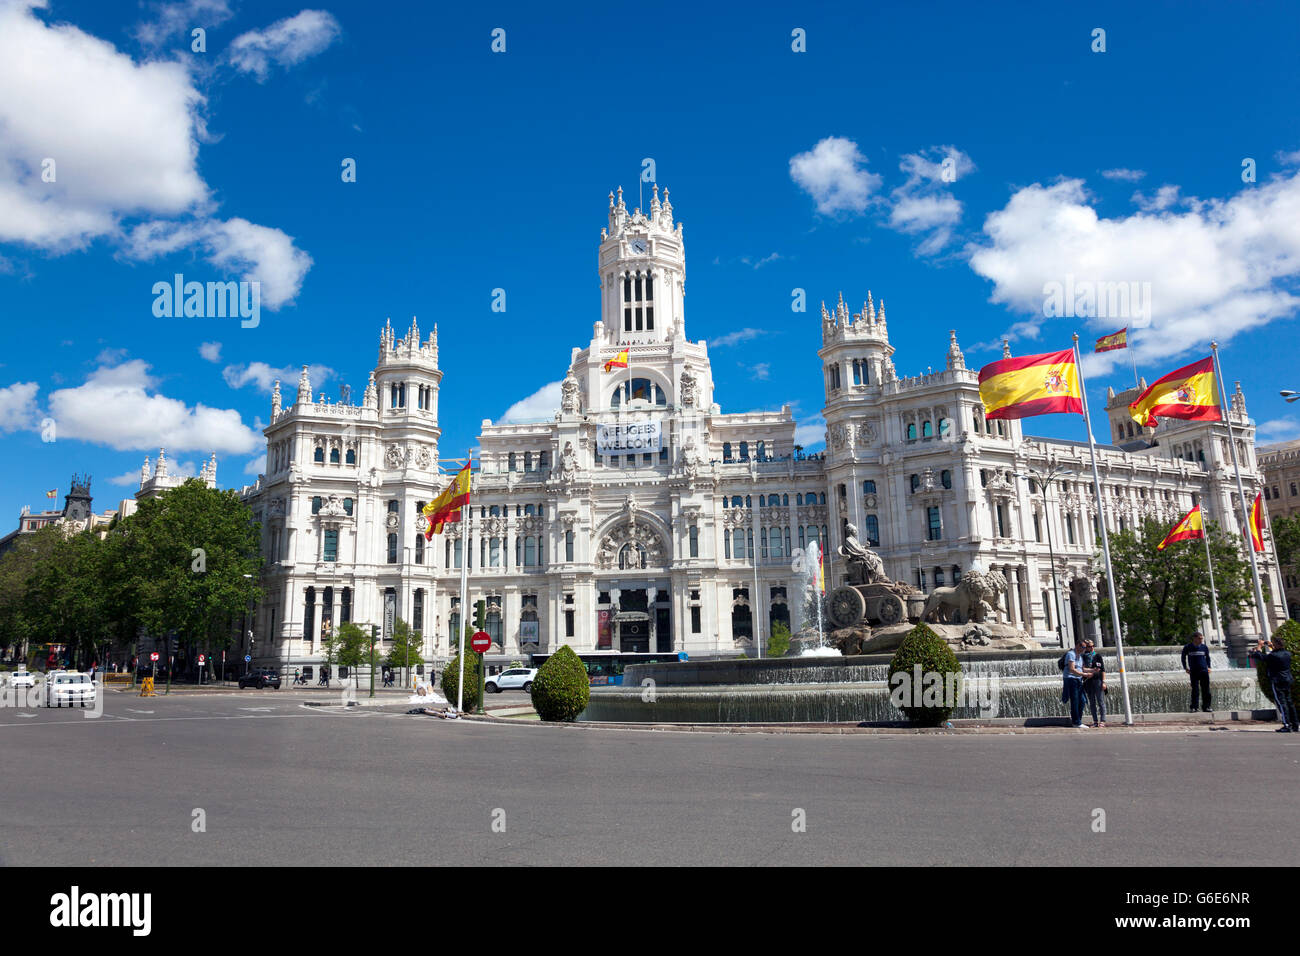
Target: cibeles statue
864,565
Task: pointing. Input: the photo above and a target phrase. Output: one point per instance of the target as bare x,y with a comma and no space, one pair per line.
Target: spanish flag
1257,524
1116,340
1190,392
52,493
446,507
1031,385
618,361
1191,526
821,570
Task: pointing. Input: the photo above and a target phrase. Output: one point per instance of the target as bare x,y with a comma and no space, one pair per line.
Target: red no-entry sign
480,642
153,656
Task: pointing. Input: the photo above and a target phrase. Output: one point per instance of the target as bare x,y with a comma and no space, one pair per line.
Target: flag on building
821,569
1116,340
1257,523
1191,526
1031,385
618,361
1190,392
52,493
446,507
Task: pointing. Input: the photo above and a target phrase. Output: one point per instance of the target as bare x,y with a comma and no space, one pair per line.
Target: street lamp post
248,664
1045,482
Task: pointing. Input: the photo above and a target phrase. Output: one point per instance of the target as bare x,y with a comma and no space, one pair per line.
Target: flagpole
1214,595
464,585
1105,540
1226,411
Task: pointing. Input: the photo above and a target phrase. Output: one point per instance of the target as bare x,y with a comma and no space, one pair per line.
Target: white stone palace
641,517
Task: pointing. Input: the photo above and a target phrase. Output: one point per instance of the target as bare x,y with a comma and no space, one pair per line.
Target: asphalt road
279,782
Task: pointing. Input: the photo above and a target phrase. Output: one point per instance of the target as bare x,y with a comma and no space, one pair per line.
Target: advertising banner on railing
628,437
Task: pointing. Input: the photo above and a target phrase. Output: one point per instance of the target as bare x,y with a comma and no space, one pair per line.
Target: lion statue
969,602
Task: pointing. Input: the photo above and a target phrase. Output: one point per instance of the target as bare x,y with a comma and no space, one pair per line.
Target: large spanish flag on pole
1257,524
1031,385
618,361
1189,392
1116,340
446,507
1191,526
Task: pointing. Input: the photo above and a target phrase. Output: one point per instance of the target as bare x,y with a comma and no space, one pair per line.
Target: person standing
1277,670
1196,662
1074,675
1094,687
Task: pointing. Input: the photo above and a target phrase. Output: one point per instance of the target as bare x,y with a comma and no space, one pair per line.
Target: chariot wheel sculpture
847,607
891,609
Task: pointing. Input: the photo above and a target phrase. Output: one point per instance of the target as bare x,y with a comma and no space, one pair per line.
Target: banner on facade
604,630
529,632
628,437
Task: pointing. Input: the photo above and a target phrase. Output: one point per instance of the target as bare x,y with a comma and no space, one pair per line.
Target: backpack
1060,665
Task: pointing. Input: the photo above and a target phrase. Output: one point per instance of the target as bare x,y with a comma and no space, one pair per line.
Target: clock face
638,246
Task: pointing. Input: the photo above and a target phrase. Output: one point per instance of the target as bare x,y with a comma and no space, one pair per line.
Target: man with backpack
1196,662
1073,674
1094,688
1277,670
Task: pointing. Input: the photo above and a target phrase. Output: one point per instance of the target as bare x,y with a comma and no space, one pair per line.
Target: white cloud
18,406
923,204
732,338
286,42
264,376
257,253
832,173
1165,197
1215,267
120,407
1278,429
185,469
174,19
256,467
211,351
762,371
539,406
1124,175
123,138
810,432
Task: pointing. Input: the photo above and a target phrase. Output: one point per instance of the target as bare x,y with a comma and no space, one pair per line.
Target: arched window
726,451
945,427
319,455
945,477
419,548
927,429
348,505
915,481
911,432
868,487
334,456
631,556
351,457
513,461
643,390
744,451
392,549
737,501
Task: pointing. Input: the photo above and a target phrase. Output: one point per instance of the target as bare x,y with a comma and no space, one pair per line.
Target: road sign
202,659
481,642
153,656
247,658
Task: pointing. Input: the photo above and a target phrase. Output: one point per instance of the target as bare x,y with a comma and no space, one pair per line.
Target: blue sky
819,170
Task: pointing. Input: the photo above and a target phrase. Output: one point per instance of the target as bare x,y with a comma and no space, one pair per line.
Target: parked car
69,687
513,678
22,678
260,678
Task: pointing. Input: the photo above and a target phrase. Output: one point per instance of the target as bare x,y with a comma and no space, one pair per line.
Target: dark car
260,678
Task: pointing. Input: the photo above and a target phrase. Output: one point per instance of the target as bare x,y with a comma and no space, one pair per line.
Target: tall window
911,432
568,546
695,541
638,302
726,451
933,531
873,530
392,549
309,616
330,548
868,488
419,548
927,429
945,478
417,611
345,609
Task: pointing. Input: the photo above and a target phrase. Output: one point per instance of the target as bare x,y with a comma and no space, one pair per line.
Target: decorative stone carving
423,458
569,402
838,437
867,433
688,388
332,506
865,566
395,456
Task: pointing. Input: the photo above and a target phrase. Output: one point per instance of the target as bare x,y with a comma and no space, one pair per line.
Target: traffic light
480,615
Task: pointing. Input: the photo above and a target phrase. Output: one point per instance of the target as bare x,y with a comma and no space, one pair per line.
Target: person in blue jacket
1277,671
1196,662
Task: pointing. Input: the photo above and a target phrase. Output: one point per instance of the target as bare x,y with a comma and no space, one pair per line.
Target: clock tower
642,269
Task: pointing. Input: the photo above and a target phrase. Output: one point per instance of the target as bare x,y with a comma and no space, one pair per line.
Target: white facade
671,546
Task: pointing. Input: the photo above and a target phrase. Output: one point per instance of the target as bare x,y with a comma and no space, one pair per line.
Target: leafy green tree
779,643
194,553
561,689
928,705
1163,595
406,650
351,646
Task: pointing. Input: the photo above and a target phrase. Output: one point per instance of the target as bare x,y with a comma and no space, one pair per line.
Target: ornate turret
371,398
275,400
1006,348
1238,402
642,269
160,469
956,360
304,387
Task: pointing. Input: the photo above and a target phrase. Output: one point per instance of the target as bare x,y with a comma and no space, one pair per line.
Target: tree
1163,595
933,701
407,648
351,647
779,643
561,689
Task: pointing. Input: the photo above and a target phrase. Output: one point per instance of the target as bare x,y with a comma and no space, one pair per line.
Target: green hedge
561,688
451,680
1290,634
923,646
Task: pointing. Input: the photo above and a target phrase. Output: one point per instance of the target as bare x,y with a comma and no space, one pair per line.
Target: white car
22,679
69,687
513,678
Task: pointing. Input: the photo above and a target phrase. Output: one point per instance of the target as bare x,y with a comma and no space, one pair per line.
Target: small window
351,457
319,455
945,477
911,432
315,504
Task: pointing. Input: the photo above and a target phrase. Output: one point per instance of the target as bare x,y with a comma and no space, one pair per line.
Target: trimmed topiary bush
451,679
929,701
1290,634
561,688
